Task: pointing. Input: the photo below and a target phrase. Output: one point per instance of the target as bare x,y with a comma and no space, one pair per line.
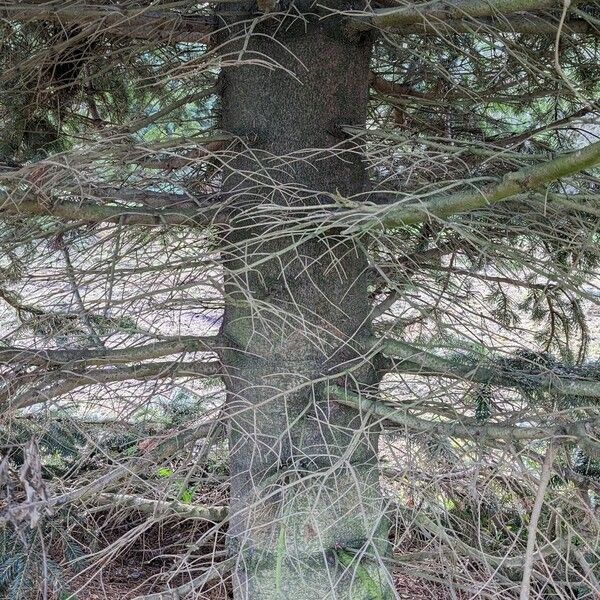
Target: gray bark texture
307,516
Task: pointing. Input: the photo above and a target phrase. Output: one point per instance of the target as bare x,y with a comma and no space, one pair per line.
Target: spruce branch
419,361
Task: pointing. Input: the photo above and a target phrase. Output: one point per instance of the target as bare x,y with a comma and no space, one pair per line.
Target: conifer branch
399,416
424,363
440,11
515,184
142,23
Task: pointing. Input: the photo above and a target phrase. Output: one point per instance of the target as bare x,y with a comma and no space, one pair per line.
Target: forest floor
140,568
123,582
116,584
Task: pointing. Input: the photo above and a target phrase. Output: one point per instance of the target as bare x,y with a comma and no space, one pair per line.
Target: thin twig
533,522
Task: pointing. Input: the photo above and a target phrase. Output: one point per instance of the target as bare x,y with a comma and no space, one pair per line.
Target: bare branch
532,529
81,357
216,571
216,514
512,185
63,383
398,214
140,23
92,212
439,11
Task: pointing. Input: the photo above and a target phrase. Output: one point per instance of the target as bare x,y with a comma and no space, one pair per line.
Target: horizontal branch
196,206
143,23
458,16
31,190
171,160
84,357
93,212
19,513
445,10
421,362
149,198
528,24
61,383
213,572
399,416
362,218
444,206
171,154
216,514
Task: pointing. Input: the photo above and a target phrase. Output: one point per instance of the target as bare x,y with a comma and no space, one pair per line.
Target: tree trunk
307,519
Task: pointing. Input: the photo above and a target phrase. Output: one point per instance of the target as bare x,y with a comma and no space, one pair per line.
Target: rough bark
307,518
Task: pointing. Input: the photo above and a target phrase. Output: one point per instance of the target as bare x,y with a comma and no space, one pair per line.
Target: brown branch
143,23
60,383
92,212
216,514
80,357
443,12
390,88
